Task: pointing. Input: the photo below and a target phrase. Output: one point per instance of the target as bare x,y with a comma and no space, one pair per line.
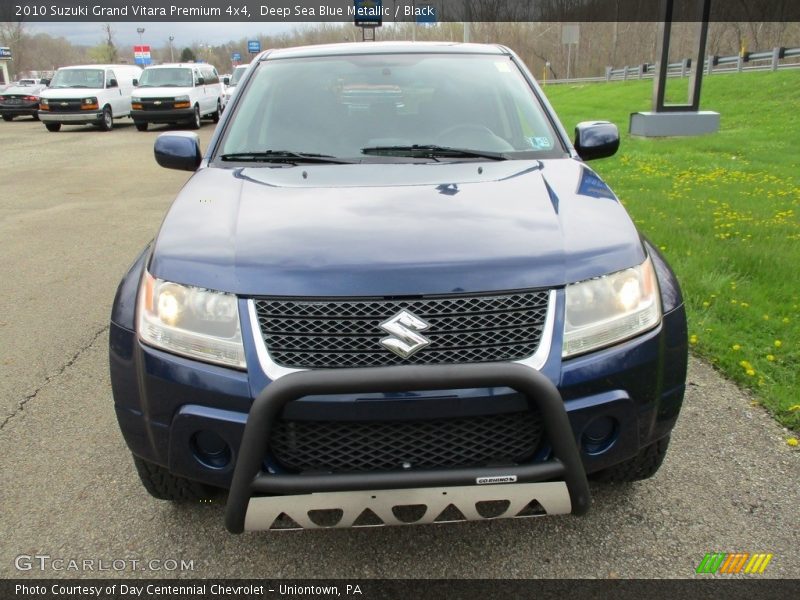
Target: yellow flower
736,347
770,357
778,343
785,319
792,442
750,372
794,408
693,339
706,304
766,317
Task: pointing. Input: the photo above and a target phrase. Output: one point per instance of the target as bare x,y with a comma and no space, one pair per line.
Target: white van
177,93
95,94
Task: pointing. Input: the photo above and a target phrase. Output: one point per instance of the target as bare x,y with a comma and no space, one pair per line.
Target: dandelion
771,357
706,304
736,347
785,320
778,343
766,317
792,442
750,372
693,339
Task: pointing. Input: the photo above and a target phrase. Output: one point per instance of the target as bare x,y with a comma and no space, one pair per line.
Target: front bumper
426,487
18,110
82,118
162,116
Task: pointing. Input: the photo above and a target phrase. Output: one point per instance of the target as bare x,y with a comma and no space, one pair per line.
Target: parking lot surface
75,209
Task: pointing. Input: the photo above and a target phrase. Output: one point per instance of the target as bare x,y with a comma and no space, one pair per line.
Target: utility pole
171,55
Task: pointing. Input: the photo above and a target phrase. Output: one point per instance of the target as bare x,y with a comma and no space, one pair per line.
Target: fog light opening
211,450
599,435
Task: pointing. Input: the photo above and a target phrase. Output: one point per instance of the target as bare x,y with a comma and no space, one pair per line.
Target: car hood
160,92
62,93
24,90
394,229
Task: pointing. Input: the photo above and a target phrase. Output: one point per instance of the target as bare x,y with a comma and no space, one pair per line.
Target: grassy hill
724,210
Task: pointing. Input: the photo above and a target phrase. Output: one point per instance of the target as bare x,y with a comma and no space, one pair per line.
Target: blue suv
391,292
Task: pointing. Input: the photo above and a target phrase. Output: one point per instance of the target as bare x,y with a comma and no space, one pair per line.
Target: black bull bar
541,394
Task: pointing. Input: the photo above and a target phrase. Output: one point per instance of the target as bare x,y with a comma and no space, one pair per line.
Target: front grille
163,104
334,333
65,105
338,447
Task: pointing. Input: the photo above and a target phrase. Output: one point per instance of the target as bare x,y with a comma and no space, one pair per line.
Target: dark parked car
21,99
419,306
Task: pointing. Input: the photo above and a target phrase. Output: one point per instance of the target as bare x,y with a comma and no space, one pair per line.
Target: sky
157,34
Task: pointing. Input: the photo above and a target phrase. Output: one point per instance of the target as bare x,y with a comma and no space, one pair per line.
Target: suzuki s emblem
405,339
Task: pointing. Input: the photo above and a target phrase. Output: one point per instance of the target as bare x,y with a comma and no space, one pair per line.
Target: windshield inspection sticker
540,143
497,479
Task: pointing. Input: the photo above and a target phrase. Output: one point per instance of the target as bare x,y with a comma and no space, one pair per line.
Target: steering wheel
473,136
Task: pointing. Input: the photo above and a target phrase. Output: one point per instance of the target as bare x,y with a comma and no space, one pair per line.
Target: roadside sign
368,13
5,53
236,57
141,55
253,46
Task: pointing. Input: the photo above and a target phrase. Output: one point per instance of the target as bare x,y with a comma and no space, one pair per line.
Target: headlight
136,100
609,309
44,101
181,98
191,321
90,100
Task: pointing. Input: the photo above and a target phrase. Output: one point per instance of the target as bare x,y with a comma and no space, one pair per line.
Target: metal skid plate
270,512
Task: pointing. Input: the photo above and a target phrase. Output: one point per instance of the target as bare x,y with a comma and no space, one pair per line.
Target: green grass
724,210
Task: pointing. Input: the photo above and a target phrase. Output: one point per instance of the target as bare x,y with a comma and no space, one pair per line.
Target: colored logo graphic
732,564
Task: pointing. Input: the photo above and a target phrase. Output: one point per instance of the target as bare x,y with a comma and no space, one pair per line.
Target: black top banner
421,11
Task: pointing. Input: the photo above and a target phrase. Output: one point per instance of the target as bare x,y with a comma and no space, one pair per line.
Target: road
76,207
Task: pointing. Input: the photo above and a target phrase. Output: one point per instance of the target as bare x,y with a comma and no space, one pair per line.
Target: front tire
35,116
107,122
8,117
195,122
642,466
163,485
53,127
215,116
141,125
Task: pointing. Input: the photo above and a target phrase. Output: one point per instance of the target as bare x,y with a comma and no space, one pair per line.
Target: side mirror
178,150
112,83
226,80
135,83
45,82
596,139
201,81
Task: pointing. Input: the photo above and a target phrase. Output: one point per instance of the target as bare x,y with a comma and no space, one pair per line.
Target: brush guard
554,486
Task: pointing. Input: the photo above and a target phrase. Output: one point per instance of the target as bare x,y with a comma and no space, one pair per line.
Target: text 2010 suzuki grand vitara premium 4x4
392,286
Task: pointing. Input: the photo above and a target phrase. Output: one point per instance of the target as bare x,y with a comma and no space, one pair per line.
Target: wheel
642,466
141,125
8,117
163,485
107,122
215,115
35,116
195,122
53,126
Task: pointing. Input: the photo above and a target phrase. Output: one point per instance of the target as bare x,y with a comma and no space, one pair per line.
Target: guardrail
772,60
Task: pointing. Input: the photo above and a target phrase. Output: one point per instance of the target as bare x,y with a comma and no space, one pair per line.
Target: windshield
237,75
341,106
78,78
177,77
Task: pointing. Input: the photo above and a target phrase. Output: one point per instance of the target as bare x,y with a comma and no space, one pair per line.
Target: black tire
107,122
8,117
35,116
215,115
53,127
141,125
642,466
195,122
163,485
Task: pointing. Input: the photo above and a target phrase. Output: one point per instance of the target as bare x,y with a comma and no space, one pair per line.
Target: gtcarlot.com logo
722,563
45,562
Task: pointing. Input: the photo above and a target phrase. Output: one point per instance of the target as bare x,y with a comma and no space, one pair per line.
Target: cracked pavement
68,487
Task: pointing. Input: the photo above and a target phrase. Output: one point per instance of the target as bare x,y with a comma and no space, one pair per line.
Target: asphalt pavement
75,209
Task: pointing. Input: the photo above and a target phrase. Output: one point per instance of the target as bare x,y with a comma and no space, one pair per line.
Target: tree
187,55
106,51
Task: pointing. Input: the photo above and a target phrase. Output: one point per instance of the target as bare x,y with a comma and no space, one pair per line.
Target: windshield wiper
284,156
433,151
